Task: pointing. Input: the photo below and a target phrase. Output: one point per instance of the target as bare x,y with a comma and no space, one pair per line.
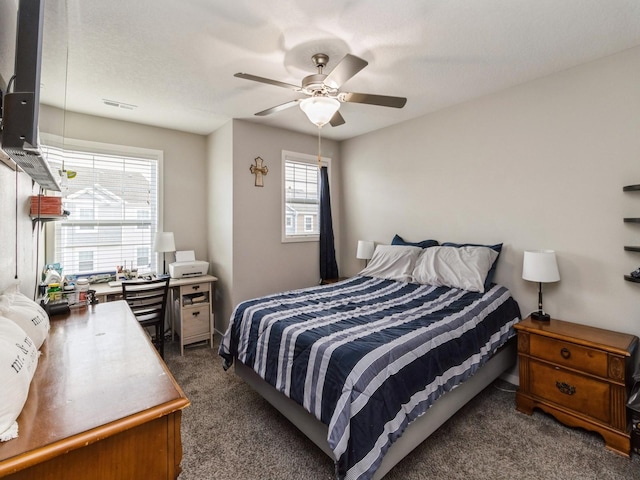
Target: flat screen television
20,104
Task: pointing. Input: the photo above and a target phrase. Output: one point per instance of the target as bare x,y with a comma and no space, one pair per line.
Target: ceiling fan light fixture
319,110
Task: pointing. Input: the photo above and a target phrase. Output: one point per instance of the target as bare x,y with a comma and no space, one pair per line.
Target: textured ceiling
175,60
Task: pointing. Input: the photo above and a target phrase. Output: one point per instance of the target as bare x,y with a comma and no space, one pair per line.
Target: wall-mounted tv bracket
1,97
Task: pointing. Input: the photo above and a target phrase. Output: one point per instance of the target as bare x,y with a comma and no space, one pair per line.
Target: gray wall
18,262
184,190
538,166
220,218
17,241
184,183
260,263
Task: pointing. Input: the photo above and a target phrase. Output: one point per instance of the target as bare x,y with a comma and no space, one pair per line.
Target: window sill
300,239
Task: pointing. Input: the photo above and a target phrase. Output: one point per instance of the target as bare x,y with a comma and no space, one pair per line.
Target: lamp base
540,316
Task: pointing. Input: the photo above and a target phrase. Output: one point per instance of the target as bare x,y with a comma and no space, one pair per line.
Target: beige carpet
230,432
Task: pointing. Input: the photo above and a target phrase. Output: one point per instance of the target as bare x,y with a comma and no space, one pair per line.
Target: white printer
186,265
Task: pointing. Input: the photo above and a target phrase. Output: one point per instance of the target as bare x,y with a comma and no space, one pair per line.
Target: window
113,208
142,257
85,214
301,196
308,223
85,261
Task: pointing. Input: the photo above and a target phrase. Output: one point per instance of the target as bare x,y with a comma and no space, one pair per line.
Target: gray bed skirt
416,432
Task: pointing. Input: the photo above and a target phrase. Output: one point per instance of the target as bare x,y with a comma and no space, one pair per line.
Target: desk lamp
540,266
163,243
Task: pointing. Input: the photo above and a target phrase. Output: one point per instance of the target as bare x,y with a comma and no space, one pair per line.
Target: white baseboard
511,377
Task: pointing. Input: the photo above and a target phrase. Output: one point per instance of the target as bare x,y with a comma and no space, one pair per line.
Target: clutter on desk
58,307
126,273
58,293
62,292
82,285
52,273
186,265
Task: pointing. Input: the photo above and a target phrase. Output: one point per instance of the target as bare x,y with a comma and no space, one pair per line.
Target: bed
369,367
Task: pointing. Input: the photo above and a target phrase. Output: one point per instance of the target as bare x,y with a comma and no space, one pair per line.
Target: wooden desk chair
148,302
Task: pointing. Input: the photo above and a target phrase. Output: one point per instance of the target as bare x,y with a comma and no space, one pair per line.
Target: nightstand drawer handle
566,353
565,388
195,314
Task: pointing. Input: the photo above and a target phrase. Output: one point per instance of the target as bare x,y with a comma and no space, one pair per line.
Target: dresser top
614,342
98,375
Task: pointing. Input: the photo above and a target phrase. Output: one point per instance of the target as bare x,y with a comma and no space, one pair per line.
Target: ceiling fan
323,91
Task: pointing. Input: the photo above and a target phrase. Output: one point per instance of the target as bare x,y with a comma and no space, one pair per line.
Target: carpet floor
230,432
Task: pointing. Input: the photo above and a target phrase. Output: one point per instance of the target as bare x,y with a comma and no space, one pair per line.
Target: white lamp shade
365,250
540,266
164,242
319,110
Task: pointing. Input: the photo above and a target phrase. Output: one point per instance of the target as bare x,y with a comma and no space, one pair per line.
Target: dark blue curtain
328,264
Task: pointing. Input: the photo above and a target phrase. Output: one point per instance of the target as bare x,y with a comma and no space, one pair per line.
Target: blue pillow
398,240
492,271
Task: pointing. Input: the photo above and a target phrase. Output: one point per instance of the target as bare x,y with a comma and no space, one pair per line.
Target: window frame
90,147
290,156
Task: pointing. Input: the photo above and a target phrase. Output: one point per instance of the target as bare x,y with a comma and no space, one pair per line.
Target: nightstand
579,374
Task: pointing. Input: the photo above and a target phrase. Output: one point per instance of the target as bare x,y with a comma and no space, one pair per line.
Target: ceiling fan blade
336,120
381,100
278,108
344,70
255,78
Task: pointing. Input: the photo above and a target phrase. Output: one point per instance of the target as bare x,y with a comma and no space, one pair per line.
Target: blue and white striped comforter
367,356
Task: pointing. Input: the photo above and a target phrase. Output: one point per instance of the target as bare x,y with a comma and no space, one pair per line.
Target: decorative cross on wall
258,170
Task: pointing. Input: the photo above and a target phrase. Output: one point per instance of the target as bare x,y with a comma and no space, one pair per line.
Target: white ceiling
175,60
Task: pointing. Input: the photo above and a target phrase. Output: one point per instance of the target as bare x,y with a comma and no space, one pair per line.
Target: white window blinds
301,196
113,211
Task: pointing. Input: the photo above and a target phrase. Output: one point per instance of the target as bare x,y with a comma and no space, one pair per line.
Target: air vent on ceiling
116,104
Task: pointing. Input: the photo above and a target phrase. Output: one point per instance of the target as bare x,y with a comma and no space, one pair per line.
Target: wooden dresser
102,404
578,374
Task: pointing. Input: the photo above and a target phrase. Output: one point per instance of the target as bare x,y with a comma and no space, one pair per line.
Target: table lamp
540,266
163,243
365,250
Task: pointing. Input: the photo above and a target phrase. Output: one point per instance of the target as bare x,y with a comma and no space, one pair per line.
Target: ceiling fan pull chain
319,155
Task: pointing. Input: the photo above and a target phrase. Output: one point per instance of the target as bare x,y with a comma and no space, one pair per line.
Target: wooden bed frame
416,432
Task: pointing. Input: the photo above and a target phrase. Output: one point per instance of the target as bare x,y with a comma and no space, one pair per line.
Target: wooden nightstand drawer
577,392
579,374
568,354
196,321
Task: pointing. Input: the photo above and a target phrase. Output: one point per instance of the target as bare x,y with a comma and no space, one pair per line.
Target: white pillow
392,262
29,316
18,362
461,267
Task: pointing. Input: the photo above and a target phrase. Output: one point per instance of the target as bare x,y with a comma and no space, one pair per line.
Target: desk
192,320
102,404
